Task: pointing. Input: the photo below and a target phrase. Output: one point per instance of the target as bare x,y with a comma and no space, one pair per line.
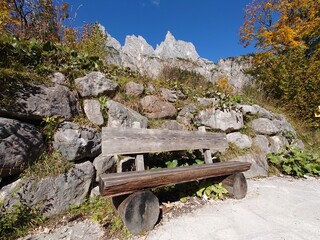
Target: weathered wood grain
127,182
135,141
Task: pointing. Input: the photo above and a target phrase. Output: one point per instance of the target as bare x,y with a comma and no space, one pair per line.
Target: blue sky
211,25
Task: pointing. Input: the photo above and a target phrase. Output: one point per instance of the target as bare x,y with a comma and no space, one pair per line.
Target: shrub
296,162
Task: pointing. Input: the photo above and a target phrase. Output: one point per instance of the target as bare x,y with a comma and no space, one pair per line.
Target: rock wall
93,104
138,55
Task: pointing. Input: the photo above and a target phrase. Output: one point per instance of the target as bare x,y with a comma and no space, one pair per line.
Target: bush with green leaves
16,221
295,161
40,59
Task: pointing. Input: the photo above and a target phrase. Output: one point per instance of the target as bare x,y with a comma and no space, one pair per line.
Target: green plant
102,211
103,103
17,220
213,191
296,162
50,163
50,126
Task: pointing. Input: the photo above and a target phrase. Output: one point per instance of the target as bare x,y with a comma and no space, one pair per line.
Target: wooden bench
138,207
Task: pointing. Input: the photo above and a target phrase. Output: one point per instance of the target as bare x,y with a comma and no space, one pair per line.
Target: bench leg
236,184
139,211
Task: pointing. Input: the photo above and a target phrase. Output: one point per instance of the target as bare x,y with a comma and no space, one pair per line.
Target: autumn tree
287,33
40,19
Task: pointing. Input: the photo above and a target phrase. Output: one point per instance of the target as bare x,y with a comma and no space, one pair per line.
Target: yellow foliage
281,25
223,85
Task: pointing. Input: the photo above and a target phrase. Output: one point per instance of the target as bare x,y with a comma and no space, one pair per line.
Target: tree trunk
139,211
236,184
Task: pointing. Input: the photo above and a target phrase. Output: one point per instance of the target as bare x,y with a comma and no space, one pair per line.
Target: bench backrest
135,140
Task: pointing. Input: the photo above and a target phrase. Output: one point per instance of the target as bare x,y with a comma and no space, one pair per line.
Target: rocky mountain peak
137,46
172,48
139,55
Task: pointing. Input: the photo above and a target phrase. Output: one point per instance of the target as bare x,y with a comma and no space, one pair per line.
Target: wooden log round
236,184
139,211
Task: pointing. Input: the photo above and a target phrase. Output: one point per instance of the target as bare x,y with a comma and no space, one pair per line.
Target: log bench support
137,206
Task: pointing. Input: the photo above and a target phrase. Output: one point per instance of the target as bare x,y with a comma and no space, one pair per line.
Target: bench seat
115,184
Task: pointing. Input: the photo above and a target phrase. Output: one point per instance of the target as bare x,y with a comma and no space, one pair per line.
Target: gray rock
103,164
248,109
173,125
227,120
284,126
8,194
240,140
20,144
277,143
168,95
52,194
207,101
264,126
95,192
256,110
84,230
186,115
262,143
234,70
59,78
121,116
259,165
31,102
134,89
263,113
95,84
92,110
153,107
188,111
77,142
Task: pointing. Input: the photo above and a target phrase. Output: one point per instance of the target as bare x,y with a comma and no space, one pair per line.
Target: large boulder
240,140
173,125
256,110
92,110
51,194
121,116
77,142
95,84
20,144
259,165
35,102
262,143
224,120
154,107
134,89
104,164
264,126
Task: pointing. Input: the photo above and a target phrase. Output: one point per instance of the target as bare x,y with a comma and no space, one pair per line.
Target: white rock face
172,48
140,56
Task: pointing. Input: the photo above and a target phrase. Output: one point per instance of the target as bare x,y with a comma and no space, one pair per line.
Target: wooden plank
115,184
135,141
139,161
207,155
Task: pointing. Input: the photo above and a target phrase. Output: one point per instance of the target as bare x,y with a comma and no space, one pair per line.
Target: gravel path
274,208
